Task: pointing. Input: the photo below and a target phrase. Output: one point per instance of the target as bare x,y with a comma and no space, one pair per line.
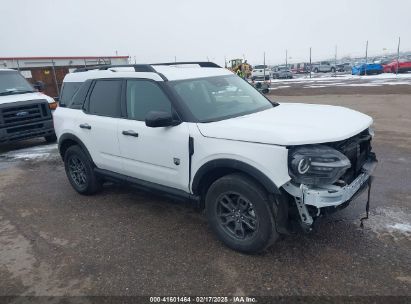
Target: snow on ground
393,222
343,80
279,87
330,77
33,153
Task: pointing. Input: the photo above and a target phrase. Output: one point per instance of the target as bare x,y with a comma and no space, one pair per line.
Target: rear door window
105,99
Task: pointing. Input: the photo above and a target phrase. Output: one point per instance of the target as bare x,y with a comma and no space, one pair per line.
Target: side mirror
156,119
39,86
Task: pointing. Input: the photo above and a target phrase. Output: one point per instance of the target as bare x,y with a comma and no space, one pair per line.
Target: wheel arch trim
237,165
68,136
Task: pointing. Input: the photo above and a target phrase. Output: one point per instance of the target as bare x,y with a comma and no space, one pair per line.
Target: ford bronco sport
24,112
200,133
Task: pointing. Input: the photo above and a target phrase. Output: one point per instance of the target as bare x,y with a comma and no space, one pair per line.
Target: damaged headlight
316,165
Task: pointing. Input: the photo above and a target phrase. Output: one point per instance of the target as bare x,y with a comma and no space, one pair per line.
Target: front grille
24,116
357,149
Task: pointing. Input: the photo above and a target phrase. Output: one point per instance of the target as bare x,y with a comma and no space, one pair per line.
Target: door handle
85,126
130,133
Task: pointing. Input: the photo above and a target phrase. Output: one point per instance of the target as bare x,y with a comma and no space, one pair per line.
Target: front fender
226,163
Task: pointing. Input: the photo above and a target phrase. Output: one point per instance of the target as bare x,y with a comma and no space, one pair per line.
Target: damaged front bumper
329,195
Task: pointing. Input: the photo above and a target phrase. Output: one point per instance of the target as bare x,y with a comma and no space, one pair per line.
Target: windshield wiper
16,92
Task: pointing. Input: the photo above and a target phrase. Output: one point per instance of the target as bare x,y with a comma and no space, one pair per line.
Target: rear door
157,155
98,125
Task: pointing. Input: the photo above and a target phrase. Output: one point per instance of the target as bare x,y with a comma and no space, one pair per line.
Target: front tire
79,170
239,213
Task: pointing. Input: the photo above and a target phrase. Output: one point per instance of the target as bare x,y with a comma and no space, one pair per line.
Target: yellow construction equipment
239,64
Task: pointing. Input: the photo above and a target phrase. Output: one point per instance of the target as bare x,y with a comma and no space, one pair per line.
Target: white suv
261,72
200,133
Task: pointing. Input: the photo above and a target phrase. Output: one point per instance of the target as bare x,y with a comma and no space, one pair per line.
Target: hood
291,124
24,97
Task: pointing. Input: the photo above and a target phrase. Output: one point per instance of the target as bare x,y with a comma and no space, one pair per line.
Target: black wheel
315,70
267,77
332,70
240,214
79,170
51,138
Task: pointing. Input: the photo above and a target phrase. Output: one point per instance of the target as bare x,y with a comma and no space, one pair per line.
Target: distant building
51,70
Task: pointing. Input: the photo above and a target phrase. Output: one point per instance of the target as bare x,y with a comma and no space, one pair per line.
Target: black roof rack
137,67
203,64
146,67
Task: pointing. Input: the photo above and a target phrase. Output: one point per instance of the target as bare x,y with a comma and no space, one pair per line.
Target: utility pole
310,63
175,59
398,55
264,65
286,56
366,58
335,61
55,77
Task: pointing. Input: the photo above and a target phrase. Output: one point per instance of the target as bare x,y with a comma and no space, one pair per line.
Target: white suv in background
323,66
205,135
260,72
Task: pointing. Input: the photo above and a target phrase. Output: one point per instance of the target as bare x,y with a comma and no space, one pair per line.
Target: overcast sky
159,30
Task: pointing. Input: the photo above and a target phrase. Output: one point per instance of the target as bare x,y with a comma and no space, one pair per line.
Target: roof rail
146,67
137,67
203,64
85,69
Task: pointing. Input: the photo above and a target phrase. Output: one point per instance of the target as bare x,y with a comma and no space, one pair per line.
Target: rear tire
80,171
51,138
239,213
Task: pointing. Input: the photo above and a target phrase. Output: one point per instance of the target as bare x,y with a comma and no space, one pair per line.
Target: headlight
316,165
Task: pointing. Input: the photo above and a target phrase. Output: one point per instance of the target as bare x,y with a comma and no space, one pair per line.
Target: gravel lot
54,241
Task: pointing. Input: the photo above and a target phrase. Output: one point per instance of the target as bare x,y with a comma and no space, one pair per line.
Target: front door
158,155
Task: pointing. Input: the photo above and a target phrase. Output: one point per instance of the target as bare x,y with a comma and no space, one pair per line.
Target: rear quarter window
78,99
67,92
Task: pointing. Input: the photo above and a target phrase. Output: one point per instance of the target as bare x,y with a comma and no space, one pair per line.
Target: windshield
220,97
12,82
